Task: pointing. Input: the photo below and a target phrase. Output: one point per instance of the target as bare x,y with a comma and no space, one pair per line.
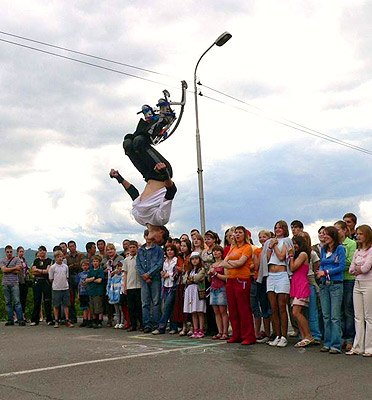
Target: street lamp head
222,39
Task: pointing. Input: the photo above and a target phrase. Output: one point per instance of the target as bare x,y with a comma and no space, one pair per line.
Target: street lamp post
220,41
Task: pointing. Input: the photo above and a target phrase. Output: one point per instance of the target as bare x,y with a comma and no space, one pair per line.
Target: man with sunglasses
11,266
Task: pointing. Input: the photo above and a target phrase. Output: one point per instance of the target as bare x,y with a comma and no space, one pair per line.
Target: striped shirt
9,278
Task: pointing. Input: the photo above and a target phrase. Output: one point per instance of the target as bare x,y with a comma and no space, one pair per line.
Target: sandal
218,336
183,332
303,343
224,336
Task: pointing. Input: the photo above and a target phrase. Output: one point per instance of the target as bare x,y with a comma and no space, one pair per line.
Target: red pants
240,312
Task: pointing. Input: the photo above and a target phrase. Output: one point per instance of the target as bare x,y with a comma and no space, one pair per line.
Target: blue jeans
11,292
331,300
263,299
348,327
313,314
151,303
169,298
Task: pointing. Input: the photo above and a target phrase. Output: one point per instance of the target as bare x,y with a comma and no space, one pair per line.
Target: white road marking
152,353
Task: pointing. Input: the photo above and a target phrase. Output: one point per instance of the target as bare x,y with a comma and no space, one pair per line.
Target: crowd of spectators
196,286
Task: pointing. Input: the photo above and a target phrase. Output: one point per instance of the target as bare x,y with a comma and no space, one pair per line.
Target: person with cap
195,294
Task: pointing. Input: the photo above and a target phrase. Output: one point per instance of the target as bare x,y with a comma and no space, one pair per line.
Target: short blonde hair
110,246
58,253
265,232
84,261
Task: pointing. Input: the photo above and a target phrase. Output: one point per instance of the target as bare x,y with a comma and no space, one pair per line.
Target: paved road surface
45,363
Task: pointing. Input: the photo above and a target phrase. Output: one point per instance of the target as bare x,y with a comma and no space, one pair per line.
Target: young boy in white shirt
58,276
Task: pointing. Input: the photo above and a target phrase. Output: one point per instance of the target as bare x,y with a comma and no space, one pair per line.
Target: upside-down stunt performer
152,208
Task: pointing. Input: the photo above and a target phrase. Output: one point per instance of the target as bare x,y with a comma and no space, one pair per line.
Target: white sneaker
117,326
274,342
121,326
282,342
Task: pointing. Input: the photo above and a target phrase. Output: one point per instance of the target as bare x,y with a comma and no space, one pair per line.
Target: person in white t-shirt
58,276
152,208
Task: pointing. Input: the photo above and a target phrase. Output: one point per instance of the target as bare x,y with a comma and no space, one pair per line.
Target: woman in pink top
361,268
300,288
218,277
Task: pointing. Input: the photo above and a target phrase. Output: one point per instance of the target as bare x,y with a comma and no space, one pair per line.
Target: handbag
201,290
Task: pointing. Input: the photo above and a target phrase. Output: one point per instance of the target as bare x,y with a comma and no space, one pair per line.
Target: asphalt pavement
78,363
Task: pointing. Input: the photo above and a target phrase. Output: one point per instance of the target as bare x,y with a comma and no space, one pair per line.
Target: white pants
362,297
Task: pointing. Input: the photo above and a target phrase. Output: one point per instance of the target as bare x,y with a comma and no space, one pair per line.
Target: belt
328,283
240,280
41,280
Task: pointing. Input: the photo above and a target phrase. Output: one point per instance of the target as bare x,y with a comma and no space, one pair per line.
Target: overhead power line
288,123
86,63
85,54
259,111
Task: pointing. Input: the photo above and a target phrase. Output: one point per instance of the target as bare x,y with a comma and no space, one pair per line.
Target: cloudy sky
62,122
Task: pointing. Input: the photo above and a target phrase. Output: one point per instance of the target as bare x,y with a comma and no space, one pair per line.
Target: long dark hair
302,246
199,266
188,244
171,246
332,232
214,235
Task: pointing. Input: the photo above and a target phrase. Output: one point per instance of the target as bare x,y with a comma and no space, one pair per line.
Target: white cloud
365,210
63,123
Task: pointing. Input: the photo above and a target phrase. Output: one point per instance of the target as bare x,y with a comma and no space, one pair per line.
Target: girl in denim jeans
169,275
331,275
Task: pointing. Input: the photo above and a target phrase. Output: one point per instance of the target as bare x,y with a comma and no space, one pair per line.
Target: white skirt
192,303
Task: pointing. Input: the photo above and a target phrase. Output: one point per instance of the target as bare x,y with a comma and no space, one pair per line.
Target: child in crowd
313,315
169,275
96,291
259,300
132,287
58,276
300,287
218,300
182,267
210,240
195,303
82,290
113,267
114,291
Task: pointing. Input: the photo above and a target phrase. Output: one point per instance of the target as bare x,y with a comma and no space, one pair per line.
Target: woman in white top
278,285
361,268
